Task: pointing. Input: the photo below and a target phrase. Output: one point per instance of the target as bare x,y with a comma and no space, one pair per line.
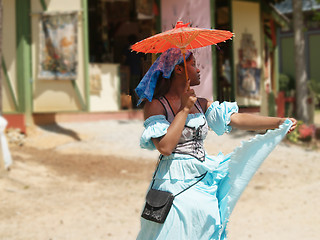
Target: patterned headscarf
164,64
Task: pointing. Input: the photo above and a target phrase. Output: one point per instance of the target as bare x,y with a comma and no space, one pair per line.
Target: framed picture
58,57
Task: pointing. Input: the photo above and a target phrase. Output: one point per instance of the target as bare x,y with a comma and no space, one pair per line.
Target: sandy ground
87,181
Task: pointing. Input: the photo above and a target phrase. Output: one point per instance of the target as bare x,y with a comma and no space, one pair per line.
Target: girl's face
193,71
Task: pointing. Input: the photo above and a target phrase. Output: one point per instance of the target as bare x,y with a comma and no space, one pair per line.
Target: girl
176,124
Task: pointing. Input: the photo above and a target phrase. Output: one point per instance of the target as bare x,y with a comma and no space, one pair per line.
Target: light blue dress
202,212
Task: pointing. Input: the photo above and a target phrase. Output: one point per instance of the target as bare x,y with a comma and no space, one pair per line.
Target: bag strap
201,177
153,178
155,172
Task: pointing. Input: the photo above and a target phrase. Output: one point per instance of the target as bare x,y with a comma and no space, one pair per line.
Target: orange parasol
182,37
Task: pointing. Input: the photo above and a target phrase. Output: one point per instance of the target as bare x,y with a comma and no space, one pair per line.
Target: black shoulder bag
158,203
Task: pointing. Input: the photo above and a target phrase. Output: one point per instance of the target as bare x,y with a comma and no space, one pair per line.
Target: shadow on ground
56,128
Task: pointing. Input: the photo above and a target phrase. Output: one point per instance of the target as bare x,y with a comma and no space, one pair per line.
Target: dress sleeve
218,116
155,126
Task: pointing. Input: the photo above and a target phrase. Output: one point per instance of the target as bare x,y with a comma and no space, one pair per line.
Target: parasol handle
185,68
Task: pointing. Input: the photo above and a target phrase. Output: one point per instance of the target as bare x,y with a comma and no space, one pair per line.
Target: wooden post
280,104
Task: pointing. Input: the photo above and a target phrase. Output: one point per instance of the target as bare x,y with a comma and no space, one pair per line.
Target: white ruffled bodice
217,116
183,166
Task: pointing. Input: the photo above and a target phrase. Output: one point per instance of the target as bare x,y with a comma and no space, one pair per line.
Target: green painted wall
287,56
314,53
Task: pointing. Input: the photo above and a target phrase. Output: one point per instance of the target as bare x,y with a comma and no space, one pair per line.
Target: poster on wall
248,74
58,57
198,14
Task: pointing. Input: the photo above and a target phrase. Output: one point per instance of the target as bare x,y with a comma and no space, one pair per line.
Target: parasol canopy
183,37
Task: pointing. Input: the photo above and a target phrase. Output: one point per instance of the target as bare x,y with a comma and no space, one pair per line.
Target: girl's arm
169,141
246,121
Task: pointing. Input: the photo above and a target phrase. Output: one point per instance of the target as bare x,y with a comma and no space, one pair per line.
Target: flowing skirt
202,212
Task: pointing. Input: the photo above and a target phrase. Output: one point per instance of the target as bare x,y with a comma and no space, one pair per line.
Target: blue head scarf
164,64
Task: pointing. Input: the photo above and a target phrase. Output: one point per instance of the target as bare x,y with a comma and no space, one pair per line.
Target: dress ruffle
237,170
155,126
218,116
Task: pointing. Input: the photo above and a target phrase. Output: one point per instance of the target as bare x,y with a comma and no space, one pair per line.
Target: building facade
73,59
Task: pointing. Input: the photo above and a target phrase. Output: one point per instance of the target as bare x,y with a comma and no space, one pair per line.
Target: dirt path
48,195
68,183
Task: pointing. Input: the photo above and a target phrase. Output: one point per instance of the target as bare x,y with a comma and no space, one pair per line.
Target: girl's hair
164,84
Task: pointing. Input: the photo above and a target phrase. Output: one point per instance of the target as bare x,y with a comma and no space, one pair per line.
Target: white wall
198,14
56,95
107,99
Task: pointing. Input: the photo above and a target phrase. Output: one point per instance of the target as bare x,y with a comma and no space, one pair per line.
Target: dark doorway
223,53
114,25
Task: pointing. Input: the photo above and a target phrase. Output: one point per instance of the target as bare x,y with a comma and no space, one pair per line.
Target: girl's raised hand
294,124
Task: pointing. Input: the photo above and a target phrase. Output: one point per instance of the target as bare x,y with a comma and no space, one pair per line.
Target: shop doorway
114,25
223,54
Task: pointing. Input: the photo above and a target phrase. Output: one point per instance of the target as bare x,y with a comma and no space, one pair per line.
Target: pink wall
198,13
